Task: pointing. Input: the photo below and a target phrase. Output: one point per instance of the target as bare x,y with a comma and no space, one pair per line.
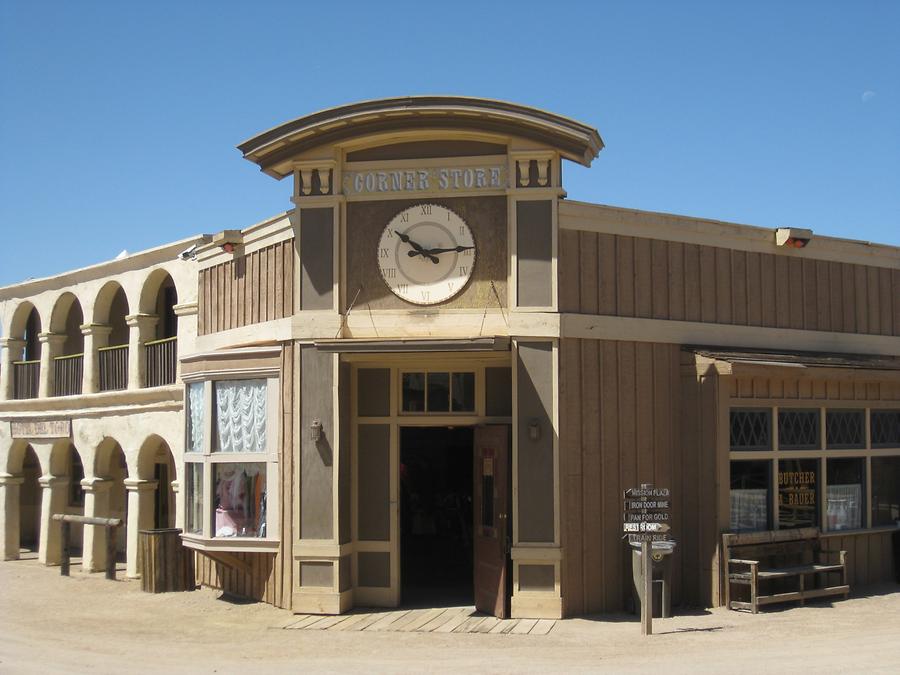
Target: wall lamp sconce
534,429
228,240
315,431
792,237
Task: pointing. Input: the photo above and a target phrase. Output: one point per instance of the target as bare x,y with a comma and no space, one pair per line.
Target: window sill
231,544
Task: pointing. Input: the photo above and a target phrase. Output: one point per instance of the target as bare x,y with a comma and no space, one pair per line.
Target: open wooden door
492,524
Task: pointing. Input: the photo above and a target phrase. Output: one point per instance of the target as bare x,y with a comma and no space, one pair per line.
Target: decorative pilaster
9,516
51,346
93,538
186,330
142,328
179,505
54,499
313,178
140,517
96,336
13,350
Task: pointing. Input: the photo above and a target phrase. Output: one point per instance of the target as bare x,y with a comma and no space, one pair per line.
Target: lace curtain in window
195,409
844,512
241,415
749,510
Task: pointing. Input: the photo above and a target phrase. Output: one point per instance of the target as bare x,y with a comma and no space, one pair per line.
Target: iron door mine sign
646,519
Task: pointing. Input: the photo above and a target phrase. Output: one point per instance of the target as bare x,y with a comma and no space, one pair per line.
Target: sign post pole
647,600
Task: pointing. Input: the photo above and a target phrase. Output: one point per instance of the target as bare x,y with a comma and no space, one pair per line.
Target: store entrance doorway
436,554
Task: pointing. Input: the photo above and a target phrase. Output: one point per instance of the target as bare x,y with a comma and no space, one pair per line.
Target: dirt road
87,624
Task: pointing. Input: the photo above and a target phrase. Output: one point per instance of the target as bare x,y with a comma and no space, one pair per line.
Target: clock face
426,254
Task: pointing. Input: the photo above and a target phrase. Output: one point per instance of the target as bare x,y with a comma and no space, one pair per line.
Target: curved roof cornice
271,149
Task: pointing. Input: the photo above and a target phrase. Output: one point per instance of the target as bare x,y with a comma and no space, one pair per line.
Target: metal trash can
661,556
166,565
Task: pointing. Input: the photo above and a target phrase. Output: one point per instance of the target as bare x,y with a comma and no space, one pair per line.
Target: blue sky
118,121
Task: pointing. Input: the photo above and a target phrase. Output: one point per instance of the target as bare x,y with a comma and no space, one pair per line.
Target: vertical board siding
619,427
651,278
252,288
270,575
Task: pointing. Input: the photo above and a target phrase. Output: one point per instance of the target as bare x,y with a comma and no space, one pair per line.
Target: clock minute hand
457,249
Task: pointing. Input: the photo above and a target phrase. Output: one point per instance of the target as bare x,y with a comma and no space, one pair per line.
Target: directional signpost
646,519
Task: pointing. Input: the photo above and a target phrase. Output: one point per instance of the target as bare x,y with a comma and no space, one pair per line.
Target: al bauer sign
425,179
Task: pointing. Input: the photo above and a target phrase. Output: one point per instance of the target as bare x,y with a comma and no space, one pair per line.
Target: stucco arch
152,450
150,289
16,456
108,452
60,453
19,320
103,302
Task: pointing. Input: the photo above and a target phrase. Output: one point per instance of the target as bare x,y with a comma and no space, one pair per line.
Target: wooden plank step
524,627
401,624
799,569
455,622
383,624
369,619
469,624
504,626
442,618
328,622
293,622
542,627
486,625
312,618
779,597
352,620
823,592
424,618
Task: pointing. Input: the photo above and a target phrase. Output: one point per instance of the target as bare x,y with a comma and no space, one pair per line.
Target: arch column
13,350
185,317
179,504
9,515
54,494
96,504
51,343
140,517
96,335
141,329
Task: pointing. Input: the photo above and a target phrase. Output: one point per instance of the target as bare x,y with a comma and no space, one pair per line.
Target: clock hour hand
419,250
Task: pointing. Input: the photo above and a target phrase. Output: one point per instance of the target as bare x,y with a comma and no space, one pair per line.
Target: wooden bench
754,560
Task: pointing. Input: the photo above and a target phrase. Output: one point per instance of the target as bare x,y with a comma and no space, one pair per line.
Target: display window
231,462
814,466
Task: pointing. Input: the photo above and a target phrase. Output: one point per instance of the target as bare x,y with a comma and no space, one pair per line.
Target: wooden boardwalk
433,620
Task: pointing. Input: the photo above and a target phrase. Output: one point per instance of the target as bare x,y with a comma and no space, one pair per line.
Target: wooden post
111,531
64,558
647,600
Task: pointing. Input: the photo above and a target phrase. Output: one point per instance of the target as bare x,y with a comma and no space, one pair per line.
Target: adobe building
432,378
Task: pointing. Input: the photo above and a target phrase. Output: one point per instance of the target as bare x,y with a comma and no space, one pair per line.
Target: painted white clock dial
426,254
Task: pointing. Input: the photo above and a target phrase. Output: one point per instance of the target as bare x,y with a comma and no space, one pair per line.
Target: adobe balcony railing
161,358
68,371
26,378
113,363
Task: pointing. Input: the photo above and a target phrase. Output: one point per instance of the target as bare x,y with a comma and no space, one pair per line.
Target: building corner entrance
491,506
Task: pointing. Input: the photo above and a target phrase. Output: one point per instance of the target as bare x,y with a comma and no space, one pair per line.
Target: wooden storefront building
433,377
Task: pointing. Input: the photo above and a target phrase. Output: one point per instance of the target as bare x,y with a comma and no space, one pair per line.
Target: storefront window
750,496
229,481
240,494
844,500
885,491
798,493
241,416
195,417
194,496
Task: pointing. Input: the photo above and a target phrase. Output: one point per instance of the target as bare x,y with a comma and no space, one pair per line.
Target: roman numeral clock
426,254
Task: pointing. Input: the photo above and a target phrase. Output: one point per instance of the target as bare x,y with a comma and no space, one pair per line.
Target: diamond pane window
886,428
845,429
751,429
798,429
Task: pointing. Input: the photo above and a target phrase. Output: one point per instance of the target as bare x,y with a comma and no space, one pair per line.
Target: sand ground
51,624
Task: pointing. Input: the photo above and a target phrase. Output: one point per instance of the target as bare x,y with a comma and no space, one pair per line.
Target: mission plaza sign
425,179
